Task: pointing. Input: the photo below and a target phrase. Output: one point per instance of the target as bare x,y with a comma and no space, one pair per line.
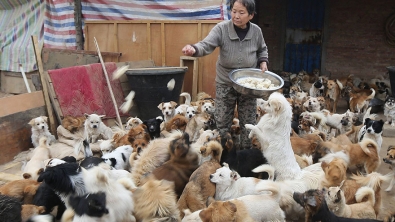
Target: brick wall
355,40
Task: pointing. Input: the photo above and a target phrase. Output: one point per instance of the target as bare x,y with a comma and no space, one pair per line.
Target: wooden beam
37,51
162,38
115,54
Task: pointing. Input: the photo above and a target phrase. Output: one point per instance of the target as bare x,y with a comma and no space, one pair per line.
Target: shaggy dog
195,124
138,132
335,172
273,132
65,179
40,129
35,166
95,128
262,207
119,199
156,201
139,144
183,161
153,127
151,157
362,209
199,187
23,190
73,124
89,207
389,110
178,122
390,159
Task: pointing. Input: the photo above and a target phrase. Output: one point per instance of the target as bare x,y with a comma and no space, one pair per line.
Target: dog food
256,83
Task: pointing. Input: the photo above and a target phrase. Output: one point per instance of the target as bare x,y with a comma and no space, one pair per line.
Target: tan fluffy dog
156,201
139,144
195,124
333,94
35,166
335,172
221,211
153,156
24,190
199,187
72,123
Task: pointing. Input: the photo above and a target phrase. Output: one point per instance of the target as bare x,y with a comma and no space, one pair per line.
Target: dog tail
265,168
43,141
368,115
339,84
372,180
127,105
187,98
320,117
371,96
331,156
269,186
119,72
363,192
366,143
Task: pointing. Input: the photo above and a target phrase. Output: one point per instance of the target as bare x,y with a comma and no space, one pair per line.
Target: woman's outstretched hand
188,50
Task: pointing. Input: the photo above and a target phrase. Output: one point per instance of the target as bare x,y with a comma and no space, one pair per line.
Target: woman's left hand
263,66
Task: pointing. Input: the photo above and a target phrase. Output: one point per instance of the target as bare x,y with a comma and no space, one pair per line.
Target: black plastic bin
150,87
391,71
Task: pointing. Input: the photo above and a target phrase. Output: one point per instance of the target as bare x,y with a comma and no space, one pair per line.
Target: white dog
168,109
229,184
119,199
312,104
35,166
95,128
119,158
39,129
133,122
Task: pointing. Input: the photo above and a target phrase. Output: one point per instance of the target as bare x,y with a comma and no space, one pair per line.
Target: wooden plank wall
160,41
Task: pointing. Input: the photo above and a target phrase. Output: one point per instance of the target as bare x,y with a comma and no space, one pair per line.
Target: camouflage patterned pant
225,102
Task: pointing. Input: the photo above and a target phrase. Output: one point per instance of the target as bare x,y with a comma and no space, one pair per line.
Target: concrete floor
12,170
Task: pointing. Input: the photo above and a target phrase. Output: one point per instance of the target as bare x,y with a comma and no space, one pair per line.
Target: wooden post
195,73
37,51
78,24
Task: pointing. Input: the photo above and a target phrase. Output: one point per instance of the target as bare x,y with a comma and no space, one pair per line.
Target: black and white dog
119,158
88,206
372,129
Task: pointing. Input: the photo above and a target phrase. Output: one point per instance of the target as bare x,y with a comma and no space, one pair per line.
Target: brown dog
24,190
335,172
139,144
138,132
199,187
183,161
364,153
224,211
72,123
332,94
390,159
360,102
178,122
302,146
29,210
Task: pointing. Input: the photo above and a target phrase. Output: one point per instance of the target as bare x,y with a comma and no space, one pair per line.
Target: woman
241,45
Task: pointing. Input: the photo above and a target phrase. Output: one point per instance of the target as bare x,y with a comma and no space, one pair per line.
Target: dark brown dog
199,187
332,95
139,144
183,161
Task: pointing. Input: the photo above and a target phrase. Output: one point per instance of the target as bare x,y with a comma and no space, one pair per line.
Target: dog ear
28,176
160,106
234,175
225,164
86,115
102,116
31,122
205,214
230,206
40,171
173,104
45,118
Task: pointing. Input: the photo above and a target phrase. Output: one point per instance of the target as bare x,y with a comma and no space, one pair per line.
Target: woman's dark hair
249,4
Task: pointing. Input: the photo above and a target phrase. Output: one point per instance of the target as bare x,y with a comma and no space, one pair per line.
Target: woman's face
240,16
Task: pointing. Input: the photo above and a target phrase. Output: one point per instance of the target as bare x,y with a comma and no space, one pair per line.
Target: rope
390,36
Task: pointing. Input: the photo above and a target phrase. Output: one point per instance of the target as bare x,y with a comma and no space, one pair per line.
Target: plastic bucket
150,87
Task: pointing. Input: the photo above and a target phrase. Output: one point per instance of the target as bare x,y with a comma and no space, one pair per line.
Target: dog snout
139,149
94,126
369,130
211,176
386,160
